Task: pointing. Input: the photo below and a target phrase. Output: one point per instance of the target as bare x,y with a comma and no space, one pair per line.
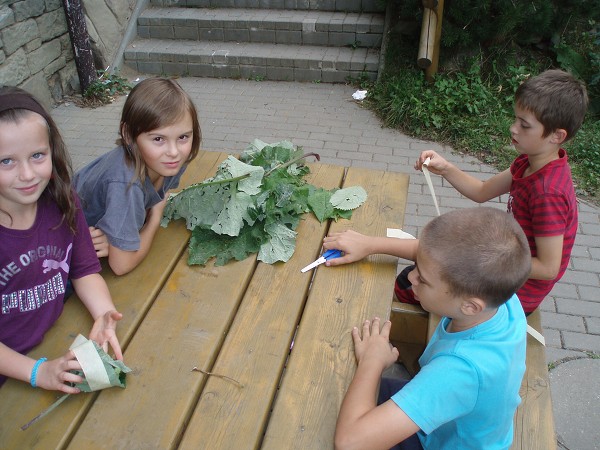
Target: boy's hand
436,165
53,375
103,332
354,245
100,242
374,347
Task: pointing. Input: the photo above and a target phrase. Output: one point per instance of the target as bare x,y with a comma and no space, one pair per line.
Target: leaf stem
44,412
211,183
289,163
224,377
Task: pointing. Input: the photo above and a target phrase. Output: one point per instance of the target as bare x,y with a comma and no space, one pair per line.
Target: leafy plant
106,88
254,204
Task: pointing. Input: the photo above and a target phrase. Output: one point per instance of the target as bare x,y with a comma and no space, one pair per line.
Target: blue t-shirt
467,391
113,202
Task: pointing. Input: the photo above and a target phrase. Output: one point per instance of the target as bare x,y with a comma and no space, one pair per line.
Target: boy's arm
469,186
94,294
356,246
361,423
122,261
546,265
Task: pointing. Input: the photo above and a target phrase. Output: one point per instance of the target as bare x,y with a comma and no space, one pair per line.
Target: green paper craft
100,371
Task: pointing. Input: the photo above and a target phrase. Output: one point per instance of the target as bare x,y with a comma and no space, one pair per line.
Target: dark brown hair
557,99
481,252
16,105
151,104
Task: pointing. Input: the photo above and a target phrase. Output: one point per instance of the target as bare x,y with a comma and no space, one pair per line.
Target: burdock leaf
349,198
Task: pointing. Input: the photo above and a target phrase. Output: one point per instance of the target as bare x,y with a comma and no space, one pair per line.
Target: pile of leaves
254,205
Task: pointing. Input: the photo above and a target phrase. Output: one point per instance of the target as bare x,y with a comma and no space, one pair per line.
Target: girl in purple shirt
44,241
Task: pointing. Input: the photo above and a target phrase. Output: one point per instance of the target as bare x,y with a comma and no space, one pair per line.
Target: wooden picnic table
277,340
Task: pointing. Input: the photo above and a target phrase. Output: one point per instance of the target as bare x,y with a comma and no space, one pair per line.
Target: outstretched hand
355,246
436,165
104,332
53,375
374,346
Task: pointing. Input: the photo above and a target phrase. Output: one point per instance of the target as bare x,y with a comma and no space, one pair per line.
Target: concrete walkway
324,118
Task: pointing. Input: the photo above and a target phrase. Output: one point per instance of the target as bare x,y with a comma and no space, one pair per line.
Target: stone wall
35,49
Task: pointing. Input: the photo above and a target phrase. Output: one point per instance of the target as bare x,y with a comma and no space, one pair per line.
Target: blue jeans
387,388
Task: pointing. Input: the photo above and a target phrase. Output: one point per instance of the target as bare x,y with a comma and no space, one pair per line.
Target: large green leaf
254,204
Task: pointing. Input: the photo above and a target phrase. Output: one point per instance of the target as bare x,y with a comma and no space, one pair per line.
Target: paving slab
576,403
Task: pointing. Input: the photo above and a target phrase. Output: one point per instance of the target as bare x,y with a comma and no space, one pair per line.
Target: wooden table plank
322,362
230,417
132,294
183,329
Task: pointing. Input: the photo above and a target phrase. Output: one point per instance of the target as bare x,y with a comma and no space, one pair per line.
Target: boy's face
527,134
430,290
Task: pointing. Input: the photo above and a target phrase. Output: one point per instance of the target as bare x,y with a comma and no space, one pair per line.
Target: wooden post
80,40
431,32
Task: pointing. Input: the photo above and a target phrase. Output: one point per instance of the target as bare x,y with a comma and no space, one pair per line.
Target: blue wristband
34,371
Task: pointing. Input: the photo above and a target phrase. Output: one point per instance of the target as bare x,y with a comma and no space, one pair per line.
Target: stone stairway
329,41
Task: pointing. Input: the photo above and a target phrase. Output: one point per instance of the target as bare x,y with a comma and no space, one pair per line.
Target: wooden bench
533,422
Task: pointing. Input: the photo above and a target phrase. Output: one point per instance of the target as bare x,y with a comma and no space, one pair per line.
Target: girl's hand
53,375
104,332
100,242
156,212
436,165
374,347
354,245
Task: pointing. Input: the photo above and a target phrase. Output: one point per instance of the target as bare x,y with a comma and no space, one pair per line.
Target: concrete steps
206,38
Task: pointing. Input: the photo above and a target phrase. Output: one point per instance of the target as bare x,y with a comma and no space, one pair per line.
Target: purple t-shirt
34,267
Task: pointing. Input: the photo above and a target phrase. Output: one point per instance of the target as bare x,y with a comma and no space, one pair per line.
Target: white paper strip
91,363
536,334
397,233
430,184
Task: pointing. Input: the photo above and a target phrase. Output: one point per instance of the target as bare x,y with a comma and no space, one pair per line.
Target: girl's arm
121,261
356,246
93,292
51,375
469,186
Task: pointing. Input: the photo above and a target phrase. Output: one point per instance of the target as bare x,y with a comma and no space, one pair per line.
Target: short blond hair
481,252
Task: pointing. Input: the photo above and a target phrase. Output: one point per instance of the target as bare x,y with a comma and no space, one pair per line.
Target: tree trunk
80,39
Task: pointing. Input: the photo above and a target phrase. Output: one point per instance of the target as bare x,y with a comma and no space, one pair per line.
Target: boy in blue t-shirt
469,264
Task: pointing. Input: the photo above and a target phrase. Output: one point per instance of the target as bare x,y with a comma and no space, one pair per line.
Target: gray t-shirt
115,204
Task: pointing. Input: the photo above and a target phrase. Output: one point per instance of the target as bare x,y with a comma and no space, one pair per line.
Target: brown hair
481,252
557,99
151,104
16,104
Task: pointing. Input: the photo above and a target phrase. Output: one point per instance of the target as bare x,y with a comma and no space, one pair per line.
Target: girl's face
25,163
165,150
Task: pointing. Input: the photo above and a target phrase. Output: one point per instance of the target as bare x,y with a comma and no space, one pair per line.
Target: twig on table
224,377
44,412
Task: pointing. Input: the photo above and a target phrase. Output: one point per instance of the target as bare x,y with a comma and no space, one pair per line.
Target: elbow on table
345,441
119,267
